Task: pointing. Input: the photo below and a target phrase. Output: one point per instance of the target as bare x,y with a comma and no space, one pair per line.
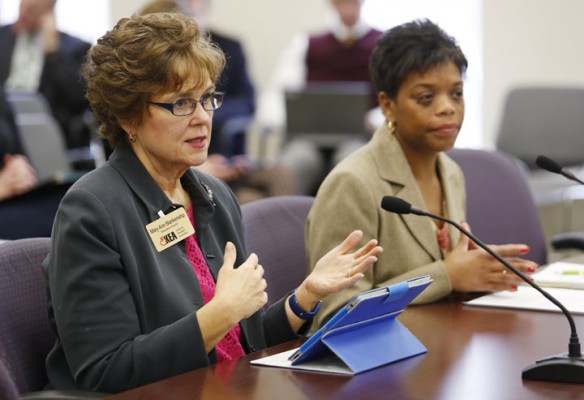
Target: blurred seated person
17,176
227,159
339,54
418,71
26,209
148,274
36,57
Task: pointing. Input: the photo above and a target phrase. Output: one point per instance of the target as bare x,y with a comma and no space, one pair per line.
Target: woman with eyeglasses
147,275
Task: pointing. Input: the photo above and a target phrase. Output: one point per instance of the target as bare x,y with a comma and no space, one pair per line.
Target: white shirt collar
342,32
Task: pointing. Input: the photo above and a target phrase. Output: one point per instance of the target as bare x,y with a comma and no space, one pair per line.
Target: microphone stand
564,367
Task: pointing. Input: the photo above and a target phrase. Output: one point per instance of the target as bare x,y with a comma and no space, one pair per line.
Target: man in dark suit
37,57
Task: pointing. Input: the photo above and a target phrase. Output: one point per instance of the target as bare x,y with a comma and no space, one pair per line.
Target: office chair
8,390
28,102
546,121
500,206
232,136
25,333
274,230
543,120
44,144
43,138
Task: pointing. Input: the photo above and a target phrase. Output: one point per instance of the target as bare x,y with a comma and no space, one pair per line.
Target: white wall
529,42
525,41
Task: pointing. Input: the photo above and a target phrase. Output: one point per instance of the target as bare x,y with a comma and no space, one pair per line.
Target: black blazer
60,82
124,313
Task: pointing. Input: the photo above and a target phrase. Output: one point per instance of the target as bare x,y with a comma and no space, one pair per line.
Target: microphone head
395,205
548,164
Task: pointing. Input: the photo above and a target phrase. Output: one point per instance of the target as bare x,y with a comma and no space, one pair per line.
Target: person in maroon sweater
339,54
342,53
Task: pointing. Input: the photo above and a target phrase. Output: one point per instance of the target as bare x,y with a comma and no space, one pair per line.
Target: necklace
442,233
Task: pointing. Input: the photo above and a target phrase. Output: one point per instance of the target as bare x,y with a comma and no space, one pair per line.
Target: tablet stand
373,343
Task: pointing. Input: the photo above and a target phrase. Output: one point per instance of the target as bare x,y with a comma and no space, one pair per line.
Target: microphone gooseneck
561,368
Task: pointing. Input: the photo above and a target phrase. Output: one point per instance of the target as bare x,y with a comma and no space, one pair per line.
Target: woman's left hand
339,268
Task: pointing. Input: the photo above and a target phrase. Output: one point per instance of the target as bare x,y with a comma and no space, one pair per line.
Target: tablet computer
384,302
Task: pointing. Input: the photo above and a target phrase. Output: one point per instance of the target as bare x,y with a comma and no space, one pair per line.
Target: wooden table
473,353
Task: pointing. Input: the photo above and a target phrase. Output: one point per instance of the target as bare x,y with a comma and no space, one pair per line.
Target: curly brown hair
144,56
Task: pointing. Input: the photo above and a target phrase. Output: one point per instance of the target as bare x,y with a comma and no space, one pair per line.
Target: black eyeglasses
182,107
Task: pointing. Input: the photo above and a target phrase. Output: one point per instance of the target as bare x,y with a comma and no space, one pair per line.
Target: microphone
550,165
569,240
565,367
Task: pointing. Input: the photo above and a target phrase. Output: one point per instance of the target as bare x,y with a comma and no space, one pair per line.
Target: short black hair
413,47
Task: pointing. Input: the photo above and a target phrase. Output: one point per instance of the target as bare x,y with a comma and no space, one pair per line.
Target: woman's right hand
242,291
472,269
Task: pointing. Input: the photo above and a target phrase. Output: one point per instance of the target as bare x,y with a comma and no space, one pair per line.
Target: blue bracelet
301,312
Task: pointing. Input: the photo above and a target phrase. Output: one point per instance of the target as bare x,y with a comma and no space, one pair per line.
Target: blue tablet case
365,333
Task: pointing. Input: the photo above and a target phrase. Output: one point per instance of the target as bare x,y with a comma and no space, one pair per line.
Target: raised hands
472,269
242,289
339,268
240,292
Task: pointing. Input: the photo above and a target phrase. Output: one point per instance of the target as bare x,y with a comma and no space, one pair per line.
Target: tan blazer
350,198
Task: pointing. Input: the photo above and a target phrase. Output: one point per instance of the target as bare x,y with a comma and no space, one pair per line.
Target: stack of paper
528,298
561,274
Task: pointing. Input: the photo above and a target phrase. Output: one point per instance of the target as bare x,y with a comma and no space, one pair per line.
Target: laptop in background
327,112
43,143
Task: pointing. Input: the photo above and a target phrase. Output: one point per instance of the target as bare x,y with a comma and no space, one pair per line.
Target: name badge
170,229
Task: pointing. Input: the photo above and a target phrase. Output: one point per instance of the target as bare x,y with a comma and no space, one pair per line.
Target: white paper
527,298
331,365
561,274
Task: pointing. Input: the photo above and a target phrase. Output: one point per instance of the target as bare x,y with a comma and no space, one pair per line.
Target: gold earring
132,138
390,126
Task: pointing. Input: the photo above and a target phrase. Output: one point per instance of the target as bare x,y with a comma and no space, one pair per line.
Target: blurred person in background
338,54
37,57
17,176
